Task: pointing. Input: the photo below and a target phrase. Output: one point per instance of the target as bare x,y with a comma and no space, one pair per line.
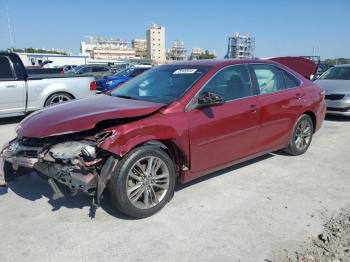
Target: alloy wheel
303,135
147,182
60,98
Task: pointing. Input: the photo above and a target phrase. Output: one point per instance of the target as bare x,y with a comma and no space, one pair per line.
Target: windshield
124,72
337,73
76,69
163,84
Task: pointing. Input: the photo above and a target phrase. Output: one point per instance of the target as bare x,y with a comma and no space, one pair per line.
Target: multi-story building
240,46
140,47
107,49
156,44
196,53
177,52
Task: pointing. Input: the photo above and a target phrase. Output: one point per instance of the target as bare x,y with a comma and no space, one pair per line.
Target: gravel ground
257,211
333,244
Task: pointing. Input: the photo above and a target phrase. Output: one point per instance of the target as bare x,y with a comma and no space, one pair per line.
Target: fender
133,134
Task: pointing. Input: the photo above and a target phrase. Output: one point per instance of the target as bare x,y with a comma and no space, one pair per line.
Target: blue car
107,84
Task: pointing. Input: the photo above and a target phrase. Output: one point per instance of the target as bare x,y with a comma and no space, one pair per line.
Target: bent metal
165,124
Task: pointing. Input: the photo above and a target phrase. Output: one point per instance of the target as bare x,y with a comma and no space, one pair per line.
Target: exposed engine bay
78,164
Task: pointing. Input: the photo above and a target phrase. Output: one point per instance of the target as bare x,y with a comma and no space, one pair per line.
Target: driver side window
230,83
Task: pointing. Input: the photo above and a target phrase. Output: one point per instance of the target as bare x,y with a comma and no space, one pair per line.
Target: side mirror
209,99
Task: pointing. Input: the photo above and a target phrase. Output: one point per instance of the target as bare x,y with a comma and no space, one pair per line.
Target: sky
294,27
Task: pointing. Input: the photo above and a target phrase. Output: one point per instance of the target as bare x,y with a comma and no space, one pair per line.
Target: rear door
12,91
222,134
281,102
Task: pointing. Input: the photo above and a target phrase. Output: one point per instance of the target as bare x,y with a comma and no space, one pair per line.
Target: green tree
206,55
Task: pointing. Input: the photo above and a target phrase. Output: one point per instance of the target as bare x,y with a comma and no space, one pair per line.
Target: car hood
334,86
80,115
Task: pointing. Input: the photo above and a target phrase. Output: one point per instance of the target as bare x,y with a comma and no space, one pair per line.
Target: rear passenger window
5,69
290,80
230,83
270,79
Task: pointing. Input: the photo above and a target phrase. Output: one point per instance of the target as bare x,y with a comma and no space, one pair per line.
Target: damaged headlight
72,150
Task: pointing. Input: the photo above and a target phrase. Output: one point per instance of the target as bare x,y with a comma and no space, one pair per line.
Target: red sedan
182,120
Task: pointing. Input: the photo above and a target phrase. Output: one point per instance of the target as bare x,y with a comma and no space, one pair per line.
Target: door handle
298,96
253,108
11,86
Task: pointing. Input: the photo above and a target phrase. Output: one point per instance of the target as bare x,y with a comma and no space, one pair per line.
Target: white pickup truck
21,93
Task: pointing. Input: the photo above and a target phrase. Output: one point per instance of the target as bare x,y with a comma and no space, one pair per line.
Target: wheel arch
312,115
171,149
57,92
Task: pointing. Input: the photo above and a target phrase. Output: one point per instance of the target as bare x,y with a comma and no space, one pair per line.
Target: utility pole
9,28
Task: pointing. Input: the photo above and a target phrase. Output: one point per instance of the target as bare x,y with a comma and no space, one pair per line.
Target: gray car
336,82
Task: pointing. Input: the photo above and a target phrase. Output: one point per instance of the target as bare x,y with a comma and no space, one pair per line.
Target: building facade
240,47
177,52
156,44
140,47
106,49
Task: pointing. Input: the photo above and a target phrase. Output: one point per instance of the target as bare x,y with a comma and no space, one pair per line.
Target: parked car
107,84
98,71
37,70
67,68
183,121
21,93
336,83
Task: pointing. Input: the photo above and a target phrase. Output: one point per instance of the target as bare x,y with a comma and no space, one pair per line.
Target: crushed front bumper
8,155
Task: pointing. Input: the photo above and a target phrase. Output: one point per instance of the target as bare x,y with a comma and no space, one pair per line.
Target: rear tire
301,136
58,98
143,182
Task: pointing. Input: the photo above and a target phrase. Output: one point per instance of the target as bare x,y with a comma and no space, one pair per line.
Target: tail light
61,71
93,86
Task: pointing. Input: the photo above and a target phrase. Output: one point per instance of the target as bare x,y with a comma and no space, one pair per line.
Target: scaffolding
240,47
177,52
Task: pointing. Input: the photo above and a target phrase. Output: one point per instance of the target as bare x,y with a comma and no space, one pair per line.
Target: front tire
143,182
301,137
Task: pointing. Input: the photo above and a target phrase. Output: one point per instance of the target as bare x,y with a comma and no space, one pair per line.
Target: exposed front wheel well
171,149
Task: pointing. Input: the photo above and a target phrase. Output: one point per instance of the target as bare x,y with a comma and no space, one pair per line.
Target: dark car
98,71
178,121
107,84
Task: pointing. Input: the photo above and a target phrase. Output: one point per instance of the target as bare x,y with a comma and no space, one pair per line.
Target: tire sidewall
50,98
117,184
292,145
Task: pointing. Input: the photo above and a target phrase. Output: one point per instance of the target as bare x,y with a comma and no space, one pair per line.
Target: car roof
344,65
220,62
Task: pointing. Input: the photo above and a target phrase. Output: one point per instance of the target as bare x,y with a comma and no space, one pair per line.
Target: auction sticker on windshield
184,71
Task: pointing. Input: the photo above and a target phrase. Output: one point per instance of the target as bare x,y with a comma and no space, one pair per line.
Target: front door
12,92
222,134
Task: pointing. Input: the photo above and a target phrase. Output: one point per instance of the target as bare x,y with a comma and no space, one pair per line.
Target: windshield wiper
126,97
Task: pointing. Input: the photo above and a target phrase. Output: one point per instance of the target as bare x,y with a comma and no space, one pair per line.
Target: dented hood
80,115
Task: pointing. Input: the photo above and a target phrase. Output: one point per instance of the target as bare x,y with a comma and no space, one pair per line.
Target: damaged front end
76,163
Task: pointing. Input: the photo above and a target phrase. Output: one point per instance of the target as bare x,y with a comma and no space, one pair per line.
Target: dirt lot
275,208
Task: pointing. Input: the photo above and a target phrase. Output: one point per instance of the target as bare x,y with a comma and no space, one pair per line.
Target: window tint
290,80
230,83
136,72
337,73
270,78
5,69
